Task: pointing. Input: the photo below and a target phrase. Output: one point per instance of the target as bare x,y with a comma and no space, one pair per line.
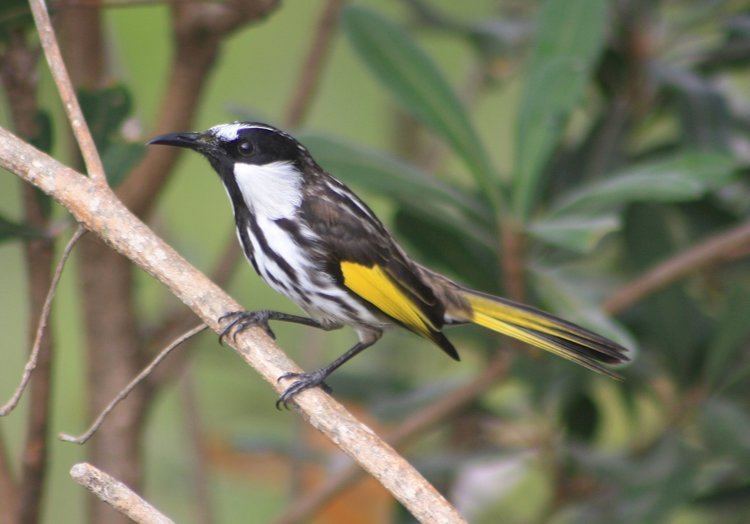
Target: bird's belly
289,268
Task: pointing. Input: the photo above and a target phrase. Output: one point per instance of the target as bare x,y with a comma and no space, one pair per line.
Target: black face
246,142
256,144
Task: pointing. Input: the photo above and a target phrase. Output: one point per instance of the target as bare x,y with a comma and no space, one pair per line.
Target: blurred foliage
628,143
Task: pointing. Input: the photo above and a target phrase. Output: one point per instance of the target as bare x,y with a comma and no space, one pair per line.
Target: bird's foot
239,321
303,381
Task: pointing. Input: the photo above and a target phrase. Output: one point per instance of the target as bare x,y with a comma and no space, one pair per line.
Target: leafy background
605,136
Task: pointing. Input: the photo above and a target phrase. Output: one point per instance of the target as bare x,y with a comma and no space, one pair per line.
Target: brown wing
366,260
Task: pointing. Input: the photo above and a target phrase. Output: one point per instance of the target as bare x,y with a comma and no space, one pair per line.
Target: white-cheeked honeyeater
313,240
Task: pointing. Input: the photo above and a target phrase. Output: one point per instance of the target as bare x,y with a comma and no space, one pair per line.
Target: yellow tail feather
545,331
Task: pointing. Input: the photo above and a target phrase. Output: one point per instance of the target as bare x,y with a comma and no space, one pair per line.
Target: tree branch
117,495
67,92
100,211
712,250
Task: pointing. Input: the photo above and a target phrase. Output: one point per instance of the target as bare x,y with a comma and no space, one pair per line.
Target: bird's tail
544,331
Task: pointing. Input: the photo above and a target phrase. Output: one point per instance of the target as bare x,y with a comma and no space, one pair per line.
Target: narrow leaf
577,233
569,39
417,84
685,176
119,158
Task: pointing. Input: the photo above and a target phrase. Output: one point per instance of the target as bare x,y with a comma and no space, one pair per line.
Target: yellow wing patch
375,286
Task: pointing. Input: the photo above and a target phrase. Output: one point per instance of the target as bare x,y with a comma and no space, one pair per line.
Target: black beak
188,140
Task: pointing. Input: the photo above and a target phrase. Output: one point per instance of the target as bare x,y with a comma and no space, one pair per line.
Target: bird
312,239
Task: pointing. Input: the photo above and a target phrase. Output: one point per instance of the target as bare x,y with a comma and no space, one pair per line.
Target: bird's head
263,169
241,143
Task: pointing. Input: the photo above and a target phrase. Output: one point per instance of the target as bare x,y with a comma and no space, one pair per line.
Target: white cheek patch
272,190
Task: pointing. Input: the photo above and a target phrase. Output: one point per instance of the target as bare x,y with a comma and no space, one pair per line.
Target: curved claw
304,381
241,320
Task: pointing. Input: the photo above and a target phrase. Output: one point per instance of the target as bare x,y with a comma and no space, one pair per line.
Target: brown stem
106,292
199,470
722,246
100,211
8,487
19,78
310,74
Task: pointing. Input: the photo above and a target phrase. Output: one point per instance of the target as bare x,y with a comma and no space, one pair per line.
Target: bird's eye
245,148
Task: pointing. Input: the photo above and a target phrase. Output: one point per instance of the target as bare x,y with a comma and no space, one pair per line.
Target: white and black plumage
312,239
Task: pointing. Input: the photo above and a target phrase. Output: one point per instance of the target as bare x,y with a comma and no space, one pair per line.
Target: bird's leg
239,321
315,378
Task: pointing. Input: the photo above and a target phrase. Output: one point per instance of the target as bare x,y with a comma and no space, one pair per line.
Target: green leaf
380,173
10,230
14,15
577,233
417,84
569,39
726,430
580,415
119,158
105,110
685,176
565,295
731,335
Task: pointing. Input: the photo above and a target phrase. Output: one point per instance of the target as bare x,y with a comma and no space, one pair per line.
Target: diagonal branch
59,72
117,495
708,252
102,213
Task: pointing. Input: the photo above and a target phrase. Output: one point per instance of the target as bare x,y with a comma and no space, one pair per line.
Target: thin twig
91,158
712,250
44,317
102,213
124,392
117,495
